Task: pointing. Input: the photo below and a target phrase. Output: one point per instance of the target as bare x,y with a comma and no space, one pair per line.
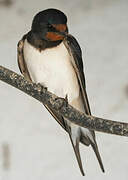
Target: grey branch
61,106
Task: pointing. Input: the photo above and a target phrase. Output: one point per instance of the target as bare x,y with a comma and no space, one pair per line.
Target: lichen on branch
60,105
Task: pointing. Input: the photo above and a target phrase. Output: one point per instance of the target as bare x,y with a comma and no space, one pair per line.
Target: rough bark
61,106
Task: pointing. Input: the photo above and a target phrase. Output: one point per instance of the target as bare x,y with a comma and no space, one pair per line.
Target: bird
52,57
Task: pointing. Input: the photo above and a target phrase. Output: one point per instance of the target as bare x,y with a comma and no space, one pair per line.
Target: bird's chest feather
52,67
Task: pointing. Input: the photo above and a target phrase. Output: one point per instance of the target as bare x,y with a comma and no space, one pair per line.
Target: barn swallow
49,55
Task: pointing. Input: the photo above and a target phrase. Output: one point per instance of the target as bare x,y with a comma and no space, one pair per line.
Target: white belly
52,68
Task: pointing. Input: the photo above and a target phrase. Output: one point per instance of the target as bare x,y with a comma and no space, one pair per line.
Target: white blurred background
32,145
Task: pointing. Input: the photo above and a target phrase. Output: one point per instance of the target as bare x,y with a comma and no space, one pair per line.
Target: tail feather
84,140
89,138
95,149
77,152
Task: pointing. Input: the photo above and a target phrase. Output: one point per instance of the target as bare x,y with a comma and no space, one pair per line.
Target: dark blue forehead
52,16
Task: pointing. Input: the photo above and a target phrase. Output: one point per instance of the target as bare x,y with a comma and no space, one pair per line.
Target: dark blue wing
75,50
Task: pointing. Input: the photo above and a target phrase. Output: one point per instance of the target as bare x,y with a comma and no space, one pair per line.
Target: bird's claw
42,87
61,102
66,99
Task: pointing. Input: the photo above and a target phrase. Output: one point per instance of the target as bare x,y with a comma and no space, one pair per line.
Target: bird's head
50,25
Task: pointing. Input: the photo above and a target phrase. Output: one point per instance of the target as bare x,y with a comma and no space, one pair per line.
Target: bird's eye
49,25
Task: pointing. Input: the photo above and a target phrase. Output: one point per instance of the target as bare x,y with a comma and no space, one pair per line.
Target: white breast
52,68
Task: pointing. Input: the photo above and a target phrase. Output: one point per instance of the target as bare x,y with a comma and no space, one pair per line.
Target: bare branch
60,105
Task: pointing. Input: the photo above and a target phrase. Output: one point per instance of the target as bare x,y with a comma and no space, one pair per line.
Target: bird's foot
66,99
60,102
41,87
